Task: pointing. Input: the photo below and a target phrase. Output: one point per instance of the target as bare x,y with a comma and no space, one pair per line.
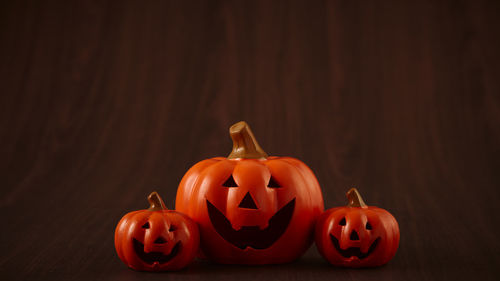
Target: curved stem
355,199
155,202
244,143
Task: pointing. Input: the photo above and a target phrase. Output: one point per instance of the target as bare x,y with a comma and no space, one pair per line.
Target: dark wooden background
103,102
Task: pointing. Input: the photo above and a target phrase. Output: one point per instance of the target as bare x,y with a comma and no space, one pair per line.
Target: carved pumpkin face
357,235
251,211
156,239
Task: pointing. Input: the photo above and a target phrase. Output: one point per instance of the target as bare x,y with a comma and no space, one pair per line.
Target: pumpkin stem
355,199
244,143
155,202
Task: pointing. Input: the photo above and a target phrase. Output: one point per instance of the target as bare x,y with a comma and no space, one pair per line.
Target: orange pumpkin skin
203,185
156,240
364,236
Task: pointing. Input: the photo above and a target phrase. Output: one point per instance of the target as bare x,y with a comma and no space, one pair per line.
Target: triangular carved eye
273,183
230,182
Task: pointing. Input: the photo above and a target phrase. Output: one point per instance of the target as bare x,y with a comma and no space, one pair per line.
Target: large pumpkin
156,239
251,208
357,235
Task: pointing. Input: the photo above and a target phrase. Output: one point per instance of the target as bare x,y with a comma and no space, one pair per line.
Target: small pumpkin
156,239
357,235
251,208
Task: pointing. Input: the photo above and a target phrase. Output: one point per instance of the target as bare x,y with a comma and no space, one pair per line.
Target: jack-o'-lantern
251,208
357,235
156,239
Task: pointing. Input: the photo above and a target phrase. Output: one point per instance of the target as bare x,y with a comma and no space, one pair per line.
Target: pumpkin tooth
236,226
264,225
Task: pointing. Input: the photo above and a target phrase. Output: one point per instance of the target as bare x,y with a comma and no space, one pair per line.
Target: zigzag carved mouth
252,236
155,257
353,251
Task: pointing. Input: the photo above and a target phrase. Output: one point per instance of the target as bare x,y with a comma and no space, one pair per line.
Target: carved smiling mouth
353,251
155,257
252,236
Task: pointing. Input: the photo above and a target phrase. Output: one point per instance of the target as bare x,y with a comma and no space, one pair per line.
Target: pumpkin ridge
306,173
304,182
304,179
198,168
181,200
128,235
224,192
122,230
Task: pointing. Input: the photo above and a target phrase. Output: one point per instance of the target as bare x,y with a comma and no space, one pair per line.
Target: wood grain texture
103,102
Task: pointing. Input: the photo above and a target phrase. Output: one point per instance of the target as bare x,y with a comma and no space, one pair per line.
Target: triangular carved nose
354,235
247,202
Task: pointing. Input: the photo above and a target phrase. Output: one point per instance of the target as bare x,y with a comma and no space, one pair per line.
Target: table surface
101,103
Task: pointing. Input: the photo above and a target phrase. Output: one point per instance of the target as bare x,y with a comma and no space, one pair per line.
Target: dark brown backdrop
101,103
